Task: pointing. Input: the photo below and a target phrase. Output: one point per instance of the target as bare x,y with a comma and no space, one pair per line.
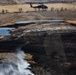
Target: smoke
18,67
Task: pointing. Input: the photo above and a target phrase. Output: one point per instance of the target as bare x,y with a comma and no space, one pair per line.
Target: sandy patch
71,21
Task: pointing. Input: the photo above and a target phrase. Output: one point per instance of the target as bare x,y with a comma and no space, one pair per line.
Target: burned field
52,42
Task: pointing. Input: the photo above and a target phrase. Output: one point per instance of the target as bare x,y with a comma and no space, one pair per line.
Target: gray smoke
18,67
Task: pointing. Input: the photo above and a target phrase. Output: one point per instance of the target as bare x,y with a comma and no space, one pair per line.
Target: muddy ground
11,18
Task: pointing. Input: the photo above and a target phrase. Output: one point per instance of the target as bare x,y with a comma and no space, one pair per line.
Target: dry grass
11,18
71,22
12,57
26,7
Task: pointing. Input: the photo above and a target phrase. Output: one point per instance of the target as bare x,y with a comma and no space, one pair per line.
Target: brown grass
11,18
26,7
71,21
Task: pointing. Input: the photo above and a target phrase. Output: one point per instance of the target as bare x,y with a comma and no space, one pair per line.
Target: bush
52,9
3,11
20,10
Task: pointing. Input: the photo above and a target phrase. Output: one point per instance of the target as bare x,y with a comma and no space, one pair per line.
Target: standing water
5,31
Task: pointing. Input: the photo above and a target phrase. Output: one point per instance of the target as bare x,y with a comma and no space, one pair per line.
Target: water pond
4,31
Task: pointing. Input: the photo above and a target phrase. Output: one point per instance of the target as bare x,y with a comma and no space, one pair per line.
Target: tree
62,9
3,11
6,11
52,9
65,9
20,10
